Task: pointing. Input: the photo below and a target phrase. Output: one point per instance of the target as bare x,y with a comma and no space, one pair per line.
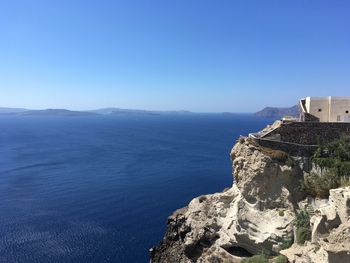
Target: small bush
334,156
344,181
290,162
286,243
278,155
280,259
256,259
281,212
303,234
303,219
317,248
318,185
333,159
302,223
241,139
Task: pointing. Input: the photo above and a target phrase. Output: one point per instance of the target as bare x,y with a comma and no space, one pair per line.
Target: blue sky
205,56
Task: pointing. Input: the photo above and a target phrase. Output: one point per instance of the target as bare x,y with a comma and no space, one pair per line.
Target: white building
325,109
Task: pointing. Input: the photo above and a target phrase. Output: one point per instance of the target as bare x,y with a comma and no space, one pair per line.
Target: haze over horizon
200,56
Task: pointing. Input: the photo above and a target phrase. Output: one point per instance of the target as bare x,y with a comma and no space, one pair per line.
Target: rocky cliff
257,214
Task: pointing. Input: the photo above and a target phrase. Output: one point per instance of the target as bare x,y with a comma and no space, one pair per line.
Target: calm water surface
99,189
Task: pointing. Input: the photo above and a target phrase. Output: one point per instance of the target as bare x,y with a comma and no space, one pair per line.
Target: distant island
274,112
65,112
118,111
267,112
46,112
4,110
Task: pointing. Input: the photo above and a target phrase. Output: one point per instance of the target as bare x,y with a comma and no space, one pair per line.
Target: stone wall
292,148
310,133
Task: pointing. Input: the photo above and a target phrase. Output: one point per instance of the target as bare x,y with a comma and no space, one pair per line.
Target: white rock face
339,199
256,214
330,232
236,223
309,253
264,180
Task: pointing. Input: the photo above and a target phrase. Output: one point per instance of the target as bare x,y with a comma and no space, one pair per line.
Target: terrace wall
310,133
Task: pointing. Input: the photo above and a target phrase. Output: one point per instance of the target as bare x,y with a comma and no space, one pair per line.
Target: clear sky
205,56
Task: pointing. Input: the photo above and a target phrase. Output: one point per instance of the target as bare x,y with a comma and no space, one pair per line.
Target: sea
100,188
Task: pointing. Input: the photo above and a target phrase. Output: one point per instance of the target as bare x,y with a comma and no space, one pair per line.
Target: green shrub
256,259
302,223
281,212
286,243
302,219
317,248
334,161
344,182
280,259
303,234
334,155
290,162
318,185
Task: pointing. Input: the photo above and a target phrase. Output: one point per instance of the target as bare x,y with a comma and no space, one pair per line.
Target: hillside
274,112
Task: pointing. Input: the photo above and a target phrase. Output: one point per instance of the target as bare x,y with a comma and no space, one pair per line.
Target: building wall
339,109
329,109
319,107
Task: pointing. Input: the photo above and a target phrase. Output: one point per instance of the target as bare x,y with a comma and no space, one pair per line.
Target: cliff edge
257,215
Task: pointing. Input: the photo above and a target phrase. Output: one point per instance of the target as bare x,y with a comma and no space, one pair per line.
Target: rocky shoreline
257,215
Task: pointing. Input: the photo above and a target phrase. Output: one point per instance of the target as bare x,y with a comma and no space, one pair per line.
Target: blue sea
100,188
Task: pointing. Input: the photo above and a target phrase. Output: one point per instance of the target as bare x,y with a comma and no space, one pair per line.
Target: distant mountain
63,112
104,111
273,112
133,112
54,112
4,110
118,111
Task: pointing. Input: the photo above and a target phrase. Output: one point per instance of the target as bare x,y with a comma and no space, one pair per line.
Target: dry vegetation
276,155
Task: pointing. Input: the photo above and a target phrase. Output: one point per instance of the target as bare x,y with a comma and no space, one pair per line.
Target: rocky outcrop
330,227
266,177
256,214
